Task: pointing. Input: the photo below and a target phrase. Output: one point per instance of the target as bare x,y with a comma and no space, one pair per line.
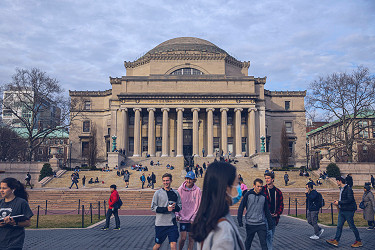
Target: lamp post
307,152
70,155
114,143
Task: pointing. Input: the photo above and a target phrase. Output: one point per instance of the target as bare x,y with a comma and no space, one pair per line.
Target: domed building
188,97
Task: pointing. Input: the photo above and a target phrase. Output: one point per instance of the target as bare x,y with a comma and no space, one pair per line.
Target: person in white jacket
190,198
213,227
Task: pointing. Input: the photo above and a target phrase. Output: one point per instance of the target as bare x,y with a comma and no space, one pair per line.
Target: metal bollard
83,216
296,208
332,212
289,207
79,204
37,218
45,212
105,210
98,210
91,212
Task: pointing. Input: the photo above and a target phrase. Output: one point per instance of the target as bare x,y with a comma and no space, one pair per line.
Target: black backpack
118,204
321,202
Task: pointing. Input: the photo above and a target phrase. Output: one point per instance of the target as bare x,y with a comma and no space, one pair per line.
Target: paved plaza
137,232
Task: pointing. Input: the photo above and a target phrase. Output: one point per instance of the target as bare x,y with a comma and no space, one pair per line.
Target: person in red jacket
111,210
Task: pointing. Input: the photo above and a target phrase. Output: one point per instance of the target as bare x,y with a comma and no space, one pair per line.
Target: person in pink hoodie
190,199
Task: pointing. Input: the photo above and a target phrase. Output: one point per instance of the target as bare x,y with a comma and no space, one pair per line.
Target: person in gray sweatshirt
257,215
165,203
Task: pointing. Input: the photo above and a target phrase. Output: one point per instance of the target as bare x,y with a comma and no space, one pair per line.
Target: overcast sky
83,42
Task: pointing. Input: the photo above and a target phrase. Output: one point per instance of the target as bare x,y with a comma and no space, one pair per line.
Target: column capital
238,109
195,109
180,109
252,109
224,109
262,108
165,109
210,109
151,109
124,109
137,109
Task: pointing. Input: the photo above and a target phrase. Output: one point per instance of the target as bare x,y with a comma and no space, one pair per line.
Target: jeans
108,217
270,234
261,230
346,216
312,219
73,182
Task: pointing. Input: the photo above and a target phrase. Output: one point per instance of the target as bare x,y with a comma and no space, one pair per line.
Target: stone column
137,132
125,135
251,140
210,132
151,131
164,151
238,132
262,122
195,131
180,132
224,130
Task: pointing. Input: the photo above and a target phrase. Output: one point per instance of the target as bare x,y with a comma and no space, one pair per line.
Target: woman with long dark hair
15,214
213,227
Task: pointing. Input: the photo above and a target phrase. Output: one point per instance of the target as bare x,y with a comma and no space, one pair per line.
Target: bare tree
37,103
284,148
348,100
12,146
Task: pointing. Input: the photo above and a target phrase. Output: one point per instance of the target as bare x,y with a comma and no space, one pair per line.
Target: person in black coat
347,207
349,180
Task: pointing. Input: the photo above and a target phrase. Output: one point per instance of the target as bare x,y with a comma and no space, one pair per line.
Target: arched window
187,71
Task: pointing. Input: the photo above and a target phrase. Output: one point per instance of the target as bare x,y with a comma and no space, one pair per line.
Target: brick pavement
137,232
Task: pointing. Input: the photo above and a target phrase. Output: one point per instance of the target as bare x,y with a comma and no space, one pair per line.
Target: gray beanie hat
367,187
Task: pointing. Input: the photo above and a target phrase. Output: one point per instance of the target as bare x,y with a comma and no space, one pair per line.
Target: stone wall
361,172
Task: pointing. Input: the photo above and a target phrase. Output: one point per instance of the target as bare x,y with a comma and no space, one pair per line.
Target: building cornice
285,93
186,96
90,93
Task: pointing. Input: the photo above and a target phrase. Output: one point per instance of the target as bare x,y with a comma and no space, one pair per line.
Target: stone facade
184,97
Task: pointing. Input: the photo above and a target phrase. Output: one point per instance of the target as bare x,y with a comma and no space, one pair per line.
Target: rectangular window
86,126
159,120
291,148
87,105
131,144
158,144
243,120
244,143
216,119
85,149
217,144
289,127
230,120
144,144
145,120
287,105
131,119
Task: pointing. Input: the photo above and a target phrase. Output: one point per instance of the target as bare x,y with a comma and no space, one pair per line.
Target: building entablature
285,93
90,93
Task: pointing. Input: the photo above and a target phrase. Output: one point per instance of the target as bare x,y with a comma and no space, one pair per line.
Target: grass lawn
64,221
326,219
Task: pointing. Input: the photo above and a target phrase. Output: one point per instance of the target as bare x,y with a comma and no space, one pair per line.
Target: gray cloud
82,43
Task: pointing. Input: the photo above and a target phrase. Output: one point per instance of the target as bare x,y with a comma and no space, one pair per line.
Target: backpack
118,204
321,202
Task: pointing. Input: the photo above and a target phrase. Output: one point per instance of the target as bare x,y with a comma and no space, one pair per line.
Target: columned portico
251,131
165,137
195,131
210,132
224,130
137,132
125,128
237,112
180,132
151,131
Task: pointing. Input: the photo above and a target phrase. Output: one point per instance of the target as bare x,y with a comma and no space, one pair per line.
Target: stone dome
184,44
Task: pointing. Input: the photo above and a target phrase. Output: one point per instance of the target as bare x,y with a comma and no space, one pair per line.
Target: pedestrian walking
166,202
15,214
275,203
74,178
126,178
203,151
84,180
257,215
143,180
149,180
190,200
201,171
372,180
243,187
112,208
28,180
368,207
286,178
153,180
213,227
347,207
313,204
204,166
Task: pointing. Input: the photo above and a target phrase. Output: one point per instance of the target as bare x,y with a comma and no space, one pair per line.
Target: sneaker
104,228
333,242
314,237
370,228
117,228
357,244
321,232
